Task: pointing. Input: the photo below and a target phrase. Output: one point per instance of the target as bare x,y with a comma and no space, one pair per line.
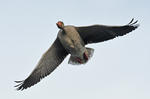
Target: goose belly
75,48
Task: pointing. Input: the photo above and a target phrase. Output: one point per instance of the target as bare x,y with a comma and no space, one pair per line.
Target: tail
76,61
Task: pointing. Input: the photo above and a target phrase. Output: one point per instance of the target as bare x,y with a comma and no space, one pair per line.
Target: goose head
60,24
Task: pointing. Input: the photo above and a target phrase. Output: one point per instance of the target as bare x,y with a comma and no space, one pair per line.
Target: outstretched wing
49,61
99,33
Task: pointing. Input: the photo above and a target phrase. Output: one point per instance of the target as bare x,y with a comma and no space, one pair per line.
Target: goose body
71,40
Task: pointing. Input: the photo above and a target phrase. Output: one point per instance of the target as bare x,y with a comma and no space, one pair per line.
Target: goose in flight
72,40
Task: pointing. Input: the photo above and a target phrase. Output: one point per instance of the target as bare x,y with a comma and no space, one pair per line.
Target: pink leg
78,60
85,56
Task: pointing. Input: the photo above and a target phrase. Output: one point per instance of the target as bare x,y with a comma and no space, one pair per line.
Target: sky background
119,69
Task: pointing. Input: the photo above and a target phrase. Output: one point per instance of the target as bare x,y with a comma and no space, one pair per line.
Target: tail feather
90,52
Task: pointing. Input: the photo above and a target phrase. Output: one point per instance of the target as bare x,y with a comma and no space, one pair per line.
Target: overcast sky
119,69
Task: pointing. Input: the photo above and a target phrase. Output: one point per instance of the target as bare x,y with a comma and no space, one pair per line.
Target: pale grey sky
119,68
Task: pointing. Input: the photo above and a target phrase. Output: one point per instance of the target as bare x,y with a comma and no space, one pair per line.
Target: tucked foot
78,60
85,55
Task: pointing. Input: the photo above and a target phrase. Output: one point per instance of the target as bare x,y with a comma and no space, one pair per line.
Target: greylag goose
72,40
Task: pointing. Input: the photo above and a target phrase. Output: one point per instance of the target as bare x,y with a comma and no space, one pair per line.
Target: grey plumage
100,33
49,61
72,40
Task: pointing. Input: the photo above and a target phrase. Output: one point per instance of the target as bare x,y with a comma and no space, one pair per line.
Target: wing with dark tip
99,33
47,64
